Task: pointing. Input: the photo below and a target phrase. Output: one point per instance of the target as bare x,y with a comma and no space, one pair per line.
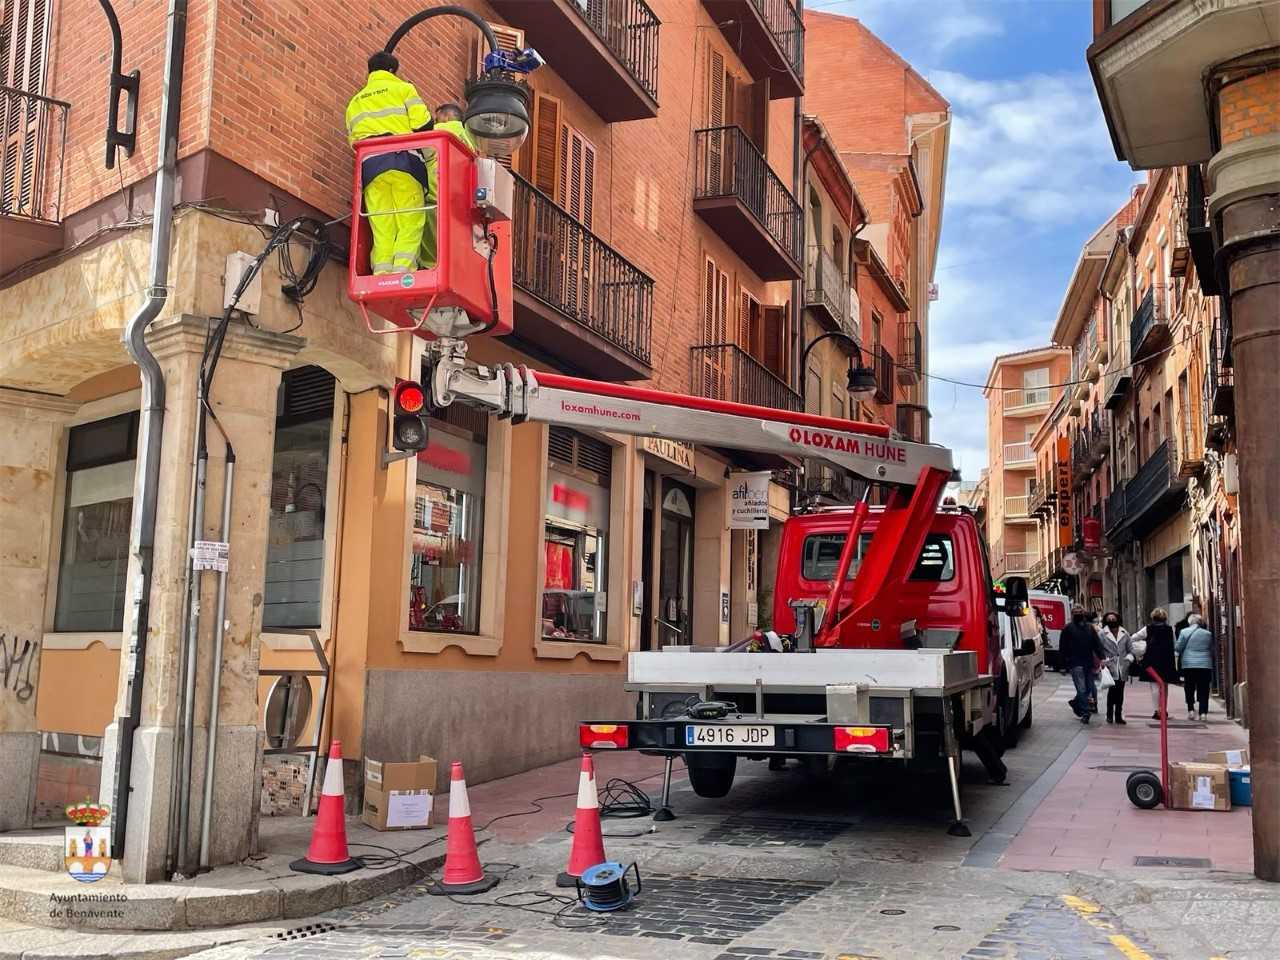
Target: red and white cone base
327,854
588,840
463,873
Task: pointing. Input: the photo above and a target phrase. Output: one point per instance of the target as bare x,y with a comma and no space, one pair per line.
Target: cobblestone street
795,868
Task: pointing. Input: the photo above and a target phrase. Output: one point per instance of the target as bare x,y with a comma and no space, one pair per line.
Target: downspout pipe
146,488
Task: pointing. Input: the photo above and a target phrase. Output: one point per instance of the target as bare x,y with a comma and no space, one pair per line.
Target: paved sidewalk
1086,821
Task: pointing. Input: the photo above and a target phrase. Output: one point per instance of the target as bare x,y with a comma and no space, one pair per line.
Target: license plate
728,735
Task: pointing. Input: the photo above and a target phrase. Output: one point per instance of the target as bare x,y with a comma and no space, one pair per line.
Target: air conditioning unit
1231,473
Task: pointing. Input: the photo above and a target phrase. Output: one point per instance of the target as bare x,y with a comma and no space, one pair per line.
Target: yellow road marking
1087,911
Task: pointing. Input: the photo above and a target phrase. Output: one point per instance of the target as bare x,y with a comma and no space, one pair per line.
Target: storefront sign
749,501
576,500
681,454
724,606
452,462
1065,535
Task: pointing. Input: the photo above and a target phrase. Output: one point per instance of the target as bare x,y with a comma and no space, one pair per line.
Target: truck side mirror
1028,647
1015,594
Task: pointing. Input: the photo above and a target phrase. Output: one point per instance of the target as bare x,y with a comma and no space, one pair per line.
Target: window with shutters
576,537
294,589
543,145
577,197
712,366
24,43
750,334
777,342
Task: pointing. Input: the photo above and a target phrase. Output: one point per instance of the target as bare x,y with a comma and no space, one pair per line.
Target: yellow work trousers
393,201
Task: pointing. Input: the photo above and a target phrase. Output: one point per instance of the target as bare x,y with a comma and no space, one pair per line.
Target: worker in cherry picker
394,184
449,119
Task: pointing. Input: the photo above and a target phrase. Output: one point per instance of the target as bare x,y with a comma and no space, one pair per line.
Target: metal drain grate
309,930
1171,862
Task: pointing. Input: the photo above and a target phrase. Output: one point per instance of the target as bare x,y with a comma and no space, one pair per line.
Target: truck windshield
935,564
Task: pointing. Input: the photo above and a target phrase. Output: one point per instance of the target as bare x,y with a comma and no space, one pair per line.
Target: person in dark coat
1079,645
1159,656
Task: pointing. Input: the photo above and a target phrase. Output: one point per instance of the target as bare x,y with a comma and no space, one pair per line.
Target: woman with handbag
1158,639
1115,641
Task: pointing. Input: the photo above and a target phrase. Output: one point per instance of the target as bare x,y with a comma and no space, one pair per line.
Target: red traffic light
409,397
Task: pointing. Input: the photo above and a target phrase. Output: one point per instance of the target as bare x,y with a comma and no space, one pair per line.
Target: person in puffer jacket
1195,648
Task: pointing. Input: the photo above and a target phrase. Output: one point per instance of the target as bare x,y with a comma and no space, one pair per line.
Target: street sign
1072,564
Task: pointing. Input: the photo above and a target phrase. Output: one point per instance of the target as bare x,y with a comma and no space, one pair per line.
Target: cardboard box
397,796
1199,786
1229,758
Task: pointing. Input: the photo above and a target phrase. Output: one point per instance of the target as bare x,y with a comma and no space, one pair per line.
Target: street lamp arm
449,10
836,334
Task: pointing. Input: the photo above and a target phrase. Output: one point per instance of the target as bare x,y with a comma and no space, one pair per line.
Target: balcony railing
1117,381
1154,489
1018,453
885,367
825,289
1149,330
1020,561
1039,572
728,166
724,371
1025,398
1117,511
1221,380
1041,499
1180,250
556,259
824,480
33,139
911,350
787,29
605,50
1016,506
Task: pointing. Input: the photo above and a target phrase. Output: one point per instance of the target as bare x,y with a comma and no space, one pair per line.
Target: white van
1055,612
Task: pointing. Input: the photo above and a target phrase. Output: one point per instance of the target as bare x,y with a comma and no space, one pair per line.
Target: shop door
675,573
646,564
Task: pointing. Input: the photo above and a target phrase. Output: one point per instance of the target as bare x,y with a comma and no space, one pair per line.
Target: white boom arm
519,393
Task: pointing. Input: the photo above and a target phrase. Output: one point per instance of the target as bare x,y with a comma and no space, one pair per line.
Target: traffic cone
588,841
462,870
328,851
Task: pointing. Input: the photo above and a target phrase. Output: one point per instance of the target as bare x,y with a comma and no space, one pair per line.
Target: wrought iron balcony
1222,379
724,371
826,291
769,37
1156,491
911,352
884,367
824,480
606,50
743,200
1149,329
1117,511
1115,386
1041,499
577,298
33,139
1039,572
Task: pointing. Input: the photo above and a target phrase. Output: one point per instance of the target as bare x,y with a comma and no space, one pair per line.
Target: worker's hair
384,60
1195,620
1160,614
1077,611
448,111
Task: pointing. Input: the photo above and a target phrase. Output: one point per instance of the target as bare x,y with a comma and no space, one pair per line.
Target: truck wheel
1025,722
1012,727
711,774
1144,789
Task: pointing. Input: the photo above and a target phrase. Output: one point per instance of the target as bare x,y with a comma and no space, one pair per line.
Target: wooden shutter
577,196
715,90
545,146
509,39
24,39
776,347
713,374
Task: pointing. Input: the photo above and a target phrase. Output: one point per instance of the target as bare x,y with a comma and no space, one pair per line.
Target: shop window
95,526
294,588
448,524
576,537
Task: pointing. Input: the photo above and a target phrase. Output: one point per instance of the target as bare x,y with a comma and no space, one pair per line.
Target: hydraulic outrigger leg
952,742
663,814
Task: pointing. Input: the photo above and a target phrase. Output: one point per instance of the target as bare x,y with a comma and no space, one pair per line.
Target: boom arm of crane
916,472
866,449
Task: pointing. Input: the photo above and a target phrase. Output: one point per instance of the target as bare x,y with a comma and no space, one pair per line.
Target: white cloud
941,26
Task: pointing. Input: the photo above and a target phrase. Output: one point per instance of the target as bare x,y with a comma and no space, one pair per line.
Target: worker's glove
1129,657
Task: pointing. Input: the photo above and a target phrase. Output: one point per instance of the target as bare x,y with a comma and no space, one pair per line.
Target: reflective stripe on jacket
388,106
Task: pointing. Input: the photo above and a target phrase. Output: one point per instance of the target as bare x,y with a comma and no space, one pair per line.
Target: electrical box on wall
251,300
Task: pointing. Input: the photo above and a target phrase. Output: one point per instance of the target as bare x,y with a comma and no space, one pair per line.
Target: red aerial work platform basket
464,231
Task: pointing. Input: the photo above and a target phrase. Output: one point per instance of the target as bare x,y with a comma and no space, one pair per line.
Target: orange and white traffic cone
462,870
588,841
328,851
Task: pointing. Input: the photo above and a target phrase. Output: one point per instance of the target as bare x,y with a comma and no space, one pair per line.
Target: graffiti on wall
16,660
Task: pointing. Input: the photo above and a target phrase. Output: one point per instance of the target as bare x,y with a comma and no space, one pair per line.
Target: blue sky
1031,176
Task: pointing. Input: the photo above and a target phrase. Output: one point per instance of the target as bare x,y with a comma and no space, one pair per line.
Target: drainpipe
797,191
147,478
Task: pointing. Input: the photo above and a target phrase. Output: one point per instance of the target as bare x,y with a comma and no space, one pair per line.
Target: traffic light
409,419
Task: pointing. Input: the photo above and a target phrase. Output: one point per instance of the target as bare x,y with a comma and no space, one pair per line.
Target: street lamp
861,378
497,113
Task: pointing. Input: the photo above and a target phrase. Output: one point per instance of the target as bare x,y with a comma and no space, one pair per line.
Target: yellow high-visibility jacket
385,105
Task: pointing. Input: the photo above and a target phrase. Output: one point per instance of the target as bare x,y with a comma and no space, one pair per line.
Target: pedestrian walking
1080,644
1194,648
1115,641
1158,637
